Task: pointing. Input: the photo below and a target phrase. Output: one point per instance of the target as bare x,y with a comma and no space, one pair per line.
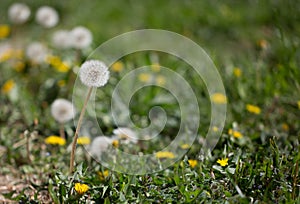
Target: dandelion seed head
47,16
18,13
36,52
81,37
61,39
62,110
94,73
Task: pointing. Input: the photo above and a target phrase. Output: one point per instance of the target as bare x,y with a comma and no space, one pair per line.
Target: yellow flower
115,143
185,146
263,44
298,102
219,98
61,83
215,129
56,62
253,109
8,54
62,67
161,155
19,66
103,175
55,140
192,163
81,188
155,67
117,66
83,140
8,86
237,72
285,127
4,31
235,133
144,77
160,80
223,162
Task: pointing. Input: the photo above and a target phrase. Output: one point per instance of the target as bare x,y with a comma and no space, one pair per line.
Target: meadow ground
255,46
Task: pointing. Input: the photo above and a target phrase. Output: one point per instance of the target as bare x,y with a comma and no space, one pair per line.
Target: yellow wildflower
83,140
192,163
61,83
161,155
253,109
62,67
235,133
215,129
298,102
144,77
115,143
8,54
55,140
103,175
237,72
223,162
160,80
285,127
8,86
4,31
219,98
19,66
185,146
81,188
155,67
117,66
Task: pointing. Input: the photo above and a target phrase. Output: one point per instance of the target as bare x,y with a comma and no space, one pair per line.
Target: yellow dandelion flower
8,54
18,54
155,67
144,77
223,162
62,67
55,140
192,163
215,129
117,66
81,188
61,83
160,80
8,86
263,44
19,66
103,175
219,98
185,146
4,31
161,155
253,109
235,133
285,127
53,60
115,143
237,72
83,140
298,102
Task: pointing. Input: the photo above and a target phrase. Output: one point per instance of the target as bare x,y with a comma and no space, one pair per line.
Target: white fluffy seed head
81,37
18,13
62,110
94,73
61,39
99,145
126,134
36,52
47,17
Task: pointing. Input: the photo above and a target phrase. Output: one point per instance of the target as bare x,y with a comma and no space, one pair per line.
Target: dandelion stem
62,131
78,129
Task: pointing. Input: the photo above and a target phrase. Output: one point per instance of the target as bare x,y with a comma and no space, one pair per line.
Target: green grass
261,38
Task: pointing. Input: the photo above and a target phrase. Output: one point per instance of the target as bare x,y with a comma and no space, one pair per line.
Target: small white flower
62,110
81,37
61,39
18,13
36,52
127,134
93,73
99,145
47,16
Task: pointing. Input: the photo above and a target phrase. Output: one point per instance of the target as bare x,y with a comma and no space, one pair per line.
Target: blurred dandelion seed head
94,73
62,110
81,37
47,17
61,39
18,13
37,52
